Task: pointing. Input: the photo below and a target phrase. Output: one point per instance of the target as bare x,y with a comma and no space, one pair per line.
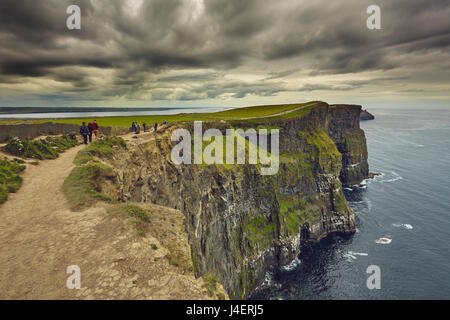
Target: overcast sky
224,53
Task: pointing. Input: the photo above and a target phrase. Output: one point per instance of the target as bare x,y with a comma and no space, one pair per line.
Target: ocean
47,113
408,203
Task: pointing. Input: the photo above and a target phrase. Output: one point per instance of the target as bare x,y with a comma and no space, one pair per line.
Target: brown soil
40,237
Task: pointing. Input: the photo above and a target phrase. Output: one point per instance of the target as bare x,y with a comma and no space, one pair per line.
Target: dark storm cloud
139,49
189,77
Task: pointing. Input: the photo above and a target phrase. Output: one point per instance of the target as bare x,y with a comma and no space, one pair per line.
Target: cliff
240,222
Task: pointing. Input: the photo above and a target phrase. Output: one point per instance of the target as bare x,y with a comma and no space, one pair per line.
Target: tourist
145,127
91,129
95,129
133,127
156,126
84,131
138,129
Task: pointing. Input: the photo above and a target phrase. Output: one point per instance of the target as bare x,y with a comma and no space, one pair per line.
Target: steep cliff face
240,222
350,140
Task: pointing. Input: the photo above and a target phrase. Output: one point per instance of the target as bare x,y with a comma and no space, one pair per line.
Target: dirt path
279,113
40,237
30,225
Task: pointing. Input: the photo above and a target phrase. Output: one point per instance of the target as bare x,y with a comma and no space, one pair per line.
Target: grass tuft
103,147
140,217
211,284
83,187
43,149
10,179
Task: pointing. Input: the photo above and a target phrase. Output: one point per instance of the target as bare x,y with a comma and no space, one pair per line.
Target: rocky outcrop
240,222
366,115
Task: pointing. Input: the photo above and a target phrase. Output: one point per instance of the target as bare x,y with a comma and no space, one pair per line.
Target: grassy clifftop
254,113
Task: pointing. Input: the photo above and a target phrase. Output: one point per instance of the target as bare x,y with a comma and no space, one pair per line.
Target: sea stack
366,115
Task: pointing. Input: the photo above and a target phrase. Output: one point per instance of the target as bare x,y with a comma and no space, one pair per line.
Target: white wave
369,204
403,225
395,177
363,205
269,282
363,254
404,142
348,189
367,181
384,240
351,256
294,264
379,176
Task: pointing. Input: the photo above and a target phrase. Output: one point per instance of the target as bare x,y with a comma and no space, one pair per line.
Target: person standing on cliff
90,127
156,126
95,129
84,131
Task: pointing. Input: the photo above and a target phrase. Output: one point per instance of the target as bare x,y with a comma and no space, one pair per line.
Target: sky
227,53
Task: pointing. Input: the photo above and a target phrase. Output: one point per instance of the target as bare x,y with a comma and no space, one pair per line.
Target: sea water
402,220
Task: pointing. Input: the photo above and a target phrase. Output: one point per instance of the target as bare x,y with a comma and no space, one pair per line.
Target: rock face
239,222
350,140
365,115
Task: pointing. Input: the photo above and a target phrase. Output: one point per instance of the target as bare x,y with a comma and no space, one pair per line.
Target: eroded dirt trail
40,237
31,222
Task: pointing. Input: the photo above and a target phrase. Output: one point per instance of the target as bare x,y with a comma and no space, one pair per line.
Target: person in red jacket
95,129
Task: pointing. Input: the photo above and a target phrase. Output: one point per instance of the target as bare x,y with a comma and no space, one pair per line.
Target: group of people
136,127
87,131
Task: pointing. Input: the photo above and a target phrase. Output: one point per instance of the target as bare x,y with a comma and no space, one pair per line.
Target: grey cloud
319,37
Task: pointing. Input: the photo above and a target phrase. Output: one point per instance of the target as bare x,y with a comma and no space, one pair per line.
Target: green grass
139,217
102,147
63,143
322,141
10,179
260,231
83,186
211,284
256,111
137,213
173,262
48,148
233,114
194,260
304,111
